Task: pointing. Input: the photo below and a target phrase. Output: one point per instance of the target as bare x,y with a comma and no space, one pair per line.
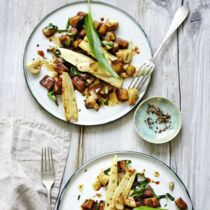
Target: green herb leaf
139,189
107,171
52,26
170,196
104,101
68,24
61,30
167,195
57,52
127,163
95,44
108,44
73,71
52,96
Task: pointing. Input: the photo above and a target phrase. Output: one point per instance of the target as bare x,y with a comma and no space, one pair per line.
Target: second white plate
85,176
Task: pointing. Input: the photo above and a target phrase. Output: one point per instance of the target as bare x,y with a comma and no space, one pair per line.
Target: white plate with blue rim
79,187
129,29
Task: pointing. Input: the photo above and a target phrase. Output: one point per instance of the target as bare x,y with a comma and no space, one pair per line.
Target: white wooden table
182,75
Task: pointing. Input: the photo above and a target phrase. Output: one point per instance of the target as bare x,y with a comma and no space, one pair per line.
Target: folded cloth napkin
21,143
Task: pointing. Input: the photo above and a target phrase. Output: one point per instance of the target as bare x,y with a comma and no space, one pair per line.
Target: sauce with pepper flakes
161,123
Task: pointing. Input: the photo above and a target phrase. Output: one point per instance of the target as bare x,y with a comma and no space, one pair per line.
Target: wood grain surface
182,74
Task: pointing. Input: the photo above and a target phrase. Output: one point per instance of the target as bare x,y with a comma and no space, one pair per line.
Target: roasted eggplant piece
88,204
57,87
82,14
115,47
65,40
59,67
148,193
82,33
79,84
152,202
47,82
122,43
181,204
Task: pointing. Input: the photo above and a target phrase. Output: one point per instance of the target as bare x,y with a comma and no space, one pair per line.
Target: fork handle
178,19
48,200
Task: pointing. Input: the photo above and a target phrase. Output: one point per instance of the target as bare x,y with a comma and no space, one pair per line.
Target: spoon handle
178,19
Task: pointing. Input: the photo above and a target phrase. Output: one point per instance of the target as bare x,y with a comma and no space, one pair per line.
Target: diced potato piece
130,70
122,94
102,29
97,24
112,24
130,202
74,20
97,185
133,95
69,99
48,31
90,103
117,65
103,179
35,66
113,99
76,43
110,36
125,55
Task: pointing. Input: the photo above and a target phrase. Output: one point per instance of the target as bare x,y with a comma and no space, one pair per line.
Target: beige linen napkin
21,143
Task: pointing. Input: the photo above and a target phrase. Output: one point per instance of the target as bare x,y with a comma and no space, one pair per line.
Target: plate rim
62,191
49,14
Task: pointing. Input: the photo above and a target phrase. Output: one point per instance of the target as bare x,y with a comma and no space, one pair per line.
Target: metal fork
148,67
47,172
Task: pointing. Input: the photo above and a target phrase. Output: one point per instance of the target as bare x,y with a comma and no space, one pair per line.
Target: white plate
129,29
86,176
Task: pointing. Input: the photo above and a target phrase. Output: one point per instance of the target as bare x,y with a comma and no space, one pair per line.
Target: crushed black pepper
162,119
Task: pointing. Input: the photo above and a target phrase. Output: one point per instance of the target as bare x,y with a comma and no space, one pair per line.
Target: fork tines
143,74
47,165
